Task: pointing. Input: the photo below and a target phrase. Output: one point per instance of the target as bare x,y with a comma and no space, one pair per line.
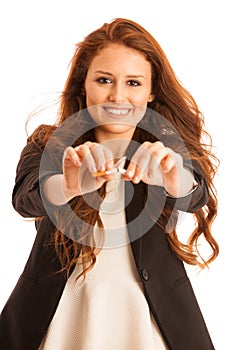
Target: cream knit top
108,311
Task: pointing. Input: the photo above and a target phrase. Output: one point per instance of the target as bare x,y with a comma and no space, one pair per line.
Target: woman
107,185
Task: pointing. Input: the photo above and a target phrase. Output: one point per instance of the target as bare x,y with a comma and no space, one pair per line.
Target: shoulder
41,134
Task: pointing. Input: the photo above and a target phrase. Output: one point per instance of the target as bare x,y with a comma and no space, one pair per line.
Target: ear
151,97
83,91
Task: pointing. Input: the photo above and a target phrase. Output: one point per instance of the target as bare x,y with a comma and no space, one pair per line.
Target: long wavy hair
174,103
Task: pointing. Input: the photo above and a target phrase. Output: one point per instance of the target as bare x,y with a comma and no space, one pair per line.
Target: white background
37,43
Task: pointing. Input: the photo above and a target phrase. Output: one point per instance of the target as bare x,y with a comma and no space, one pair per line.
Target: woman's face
118,88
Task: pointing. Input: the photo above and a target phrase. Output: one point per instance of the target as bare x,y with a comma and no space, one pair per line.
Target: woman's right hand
79,163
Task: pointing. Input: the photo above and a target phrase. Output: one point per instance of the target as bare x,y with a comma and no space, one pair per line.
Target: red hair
173,102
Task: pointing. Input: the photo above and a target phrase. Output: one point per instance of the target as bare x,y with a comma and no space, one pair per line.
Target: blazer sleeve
198,197
26,196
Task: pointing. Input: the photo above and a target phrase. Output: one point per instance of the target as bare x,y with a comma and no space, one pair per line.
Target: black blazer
33,302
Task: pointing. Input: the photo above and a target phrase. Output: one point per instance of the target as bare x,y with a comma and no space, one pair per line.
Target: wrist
184,194
68,194
55,190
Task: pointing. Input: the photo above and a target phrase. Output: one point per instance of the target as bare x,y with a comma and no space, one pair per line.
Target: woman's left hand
155,164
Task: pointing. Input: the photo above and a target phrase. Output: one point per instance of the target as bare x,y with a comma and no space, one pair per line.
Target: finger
153,175
140,170
70,156
167,163
162,162
173,160
139,163
86,156
103,157
109,161
160,158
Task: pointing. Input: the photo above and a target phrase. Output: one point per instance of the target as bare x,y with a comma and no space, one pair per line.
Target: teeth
117,111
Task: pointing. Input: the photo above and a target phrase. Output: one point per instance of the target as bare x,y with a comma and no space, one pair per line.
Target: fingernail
102,168
111,171
129,173
93,169
149,174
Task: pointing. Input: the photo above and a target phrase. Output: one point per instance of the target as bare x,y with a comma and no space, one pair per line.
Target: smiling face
118,88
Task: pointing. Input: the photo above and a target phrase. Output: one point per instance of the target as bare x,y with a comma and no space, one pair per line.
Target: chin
119,129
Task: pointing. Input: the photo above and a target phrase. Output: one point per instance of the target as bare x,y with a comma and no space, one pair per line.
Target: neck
102,135
117,143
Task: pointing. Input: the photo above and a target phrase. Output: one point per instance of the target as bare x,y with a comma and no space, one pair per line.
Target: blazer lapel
134,208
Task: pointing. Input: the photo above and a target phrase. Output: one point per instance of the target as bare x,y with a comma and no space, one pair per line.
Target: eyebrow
132,76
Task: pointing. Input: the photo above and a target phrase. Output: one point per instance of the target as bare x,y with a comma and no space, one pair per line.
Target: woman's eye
133,83
104,80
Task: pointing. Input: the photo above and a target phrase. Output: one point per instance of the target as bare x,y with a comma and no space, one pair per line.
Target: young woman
107,185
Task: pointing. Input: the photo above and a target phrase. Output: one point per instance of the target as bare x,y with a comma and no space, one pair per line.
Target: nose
118,93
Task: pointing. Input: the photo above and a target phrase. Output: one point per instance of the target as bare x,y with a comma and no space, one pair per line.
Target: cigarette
108,172
103,173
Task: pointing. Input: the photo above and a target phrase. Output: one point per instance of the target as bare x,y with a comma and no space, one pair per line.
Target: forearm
55,190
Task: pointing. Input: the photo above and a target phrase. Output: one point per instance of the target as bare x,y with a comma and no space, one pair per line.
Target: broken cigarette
109,172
